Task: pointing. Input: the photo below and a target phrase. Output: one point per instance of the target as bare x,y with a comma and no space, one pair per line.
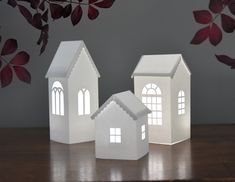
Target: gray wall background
116,40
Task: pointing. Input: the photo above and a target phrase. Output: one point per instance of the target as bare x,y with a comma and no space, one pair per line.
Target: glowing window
57,99
83,102
143,134
151,97
115,135
181,102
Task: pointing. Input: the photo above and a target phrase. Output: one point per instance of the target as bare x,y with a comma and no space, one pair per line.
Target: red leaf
215,35
26,13
56,10
67,10
93,13
20,58
202,16
9,47
228,23
44,44
22,74
226,60
92,1
12,3
216,6
45,16
105,3
201,35
231,6
37,21
6,75
42,5
34,3
76,15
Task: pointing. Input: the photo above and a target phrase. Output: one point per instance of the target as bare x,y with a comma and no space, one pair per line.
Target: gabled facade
73,93
163,83
121,128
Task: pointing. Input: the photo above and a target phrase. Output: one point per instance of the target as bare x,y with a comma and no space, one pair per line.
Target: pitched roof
128,102
65,58
159,65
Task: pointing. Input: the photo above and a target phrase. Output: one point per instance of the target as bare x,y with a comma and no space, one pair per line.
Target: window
57,98
151,97
181,102
83,102
143,134
115,135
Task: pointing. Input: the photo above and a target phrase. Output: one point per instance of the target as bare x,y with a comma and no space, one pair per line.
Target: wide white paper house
73,93
162,82
121,128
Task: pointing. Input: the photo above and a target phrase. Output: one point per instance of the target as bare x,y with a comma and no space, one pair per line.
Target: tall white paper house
73,93
162,82
121,128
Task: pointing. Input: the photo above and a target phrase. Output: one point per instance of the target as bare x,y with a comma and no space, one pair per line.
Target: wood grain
27,155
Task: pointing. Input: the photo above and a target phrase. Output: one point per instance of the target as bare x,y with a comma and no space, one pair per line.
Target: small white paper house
162,82
73,93
121,128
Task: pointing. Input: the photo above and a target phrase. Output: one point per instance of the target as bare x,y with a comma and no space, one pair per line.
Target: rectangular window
115,135
143,134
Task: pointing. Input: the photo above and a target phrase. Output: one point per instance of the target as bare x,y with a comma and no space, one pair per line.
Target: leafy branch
213,31
16,64
38,13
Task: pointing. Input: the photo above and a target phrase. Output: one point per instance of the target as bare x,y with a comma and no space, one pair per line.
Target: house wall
113,116
142,145
83,75
181,123
59,125
157,133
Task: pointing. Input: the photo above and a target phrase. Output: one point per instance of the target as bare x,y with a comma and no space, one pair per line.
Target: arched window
83,102
57,98
181,102
151,97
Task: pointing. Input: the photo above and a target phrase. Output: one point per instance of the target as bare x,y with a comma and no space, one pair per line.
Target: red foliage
36,13
202,16
57,9
213,30
215,35
9,47
201,35
226,60
76,15
16,63
92,12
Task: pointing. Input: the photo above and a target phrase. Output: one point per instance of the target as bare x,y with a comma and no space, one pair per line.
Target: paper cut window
151,97
83,102
143,134
115,135
57,98
181,102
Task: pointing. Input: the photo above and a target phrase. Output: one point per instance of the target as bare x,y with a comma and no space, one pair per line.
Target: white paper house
121,128
73,93
162,82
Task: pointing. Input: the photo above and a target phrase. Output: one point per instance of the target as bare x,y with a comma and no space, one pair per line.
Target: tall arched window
151,97
181,102
57,98
83,102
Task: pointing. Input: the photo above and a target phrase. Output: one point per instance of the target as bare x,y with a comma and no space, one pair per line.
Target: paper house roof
65,58
159,65
128,102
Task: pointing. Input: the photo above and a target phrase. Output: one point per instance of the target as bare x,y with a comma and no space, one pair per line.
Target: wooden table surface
27,155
